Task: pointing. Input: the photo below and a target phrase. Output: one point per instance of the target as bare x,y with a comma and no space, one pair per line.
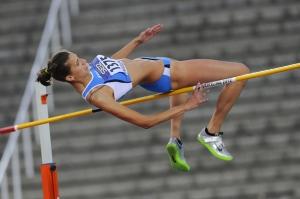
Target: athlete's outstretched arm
109,105
143,37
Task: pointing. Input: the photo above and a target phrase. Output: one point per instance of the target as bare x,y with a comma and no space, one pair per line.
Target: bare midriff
143,71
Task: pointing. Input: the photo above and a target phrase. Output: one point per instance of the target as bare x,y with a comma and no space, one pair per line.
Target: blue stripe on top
166,60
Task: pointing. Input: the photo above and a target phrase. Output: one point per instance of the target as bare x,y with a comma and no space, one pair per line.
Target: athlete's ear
70,78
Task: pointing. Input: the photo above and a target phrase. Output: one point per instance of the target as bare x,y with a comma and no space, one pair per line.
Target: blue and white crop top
110,72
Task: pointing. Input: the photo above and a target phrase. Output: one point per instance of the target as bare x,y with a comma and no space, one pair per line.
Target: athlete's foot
214,144
176,154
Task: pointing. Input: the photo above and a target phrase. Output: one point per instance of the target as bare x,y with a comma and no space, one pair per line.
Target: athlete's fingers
202,92
203,88
157,27
150,32
199,86
147,30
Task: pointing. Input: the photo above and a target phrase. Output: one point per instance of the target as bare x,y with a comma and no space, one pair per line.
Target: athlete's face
78,67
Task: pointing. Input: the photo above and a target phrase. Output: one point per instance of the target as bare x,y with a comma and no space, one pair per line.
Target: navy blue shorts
163,84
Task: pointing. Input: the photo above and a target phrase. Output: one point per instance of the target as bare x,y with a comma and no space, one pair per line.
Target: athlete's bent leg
226,99
207,71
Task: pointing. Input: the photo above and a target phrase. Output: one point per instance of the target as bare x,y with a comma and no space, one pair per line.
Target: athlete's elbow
146,123
143,125
146,126
243,69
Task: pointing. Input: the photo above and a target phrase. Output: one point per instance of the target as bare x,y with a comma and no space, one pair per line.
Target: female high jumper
104,80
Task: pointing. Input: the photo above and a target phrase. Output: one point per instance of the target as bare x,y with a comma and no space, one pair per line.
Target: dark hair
56,68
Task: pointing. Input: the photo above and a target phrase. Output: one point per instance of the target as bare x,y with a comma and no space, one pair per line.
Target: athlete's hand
147,34
198,97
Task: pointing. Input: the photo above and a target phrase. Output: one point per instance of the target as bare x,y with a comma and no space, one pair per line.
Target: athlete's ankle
211,130
178,140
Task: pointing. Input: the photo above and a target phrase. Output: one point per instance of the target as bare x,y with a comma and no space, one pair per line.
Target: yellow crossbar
150,97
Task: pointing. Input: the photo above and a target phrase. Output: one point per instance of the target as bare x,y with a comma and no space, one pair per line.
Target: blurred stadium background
100,156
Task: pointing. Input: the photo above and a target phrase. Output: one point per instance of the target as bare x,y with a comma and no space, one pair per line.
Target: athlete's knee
243,69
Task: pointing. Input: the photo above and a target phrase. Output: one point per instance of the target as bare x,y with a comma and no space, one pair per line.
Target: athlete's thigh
189,72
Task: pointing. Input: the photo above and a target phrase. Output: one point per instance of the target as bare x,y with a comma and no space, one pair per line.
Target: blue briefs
163,84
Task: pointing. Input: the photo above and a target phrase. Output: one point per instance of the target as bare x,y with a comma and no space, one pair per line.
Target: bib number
107,65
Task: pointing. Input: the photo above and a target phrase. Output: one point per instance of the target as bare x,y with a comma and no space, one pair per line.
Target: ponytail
56,69
44,77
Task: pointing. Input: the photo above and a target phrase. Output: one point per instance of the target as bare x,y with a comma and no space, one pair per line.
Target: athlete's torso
112,73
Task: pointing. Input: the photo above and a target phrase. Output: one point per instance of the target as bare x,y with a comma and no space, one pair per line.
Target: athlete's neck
80,85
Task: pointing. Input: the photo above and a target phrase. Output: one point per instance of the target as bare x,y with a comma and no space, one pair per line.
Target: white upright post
48,167
44,131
